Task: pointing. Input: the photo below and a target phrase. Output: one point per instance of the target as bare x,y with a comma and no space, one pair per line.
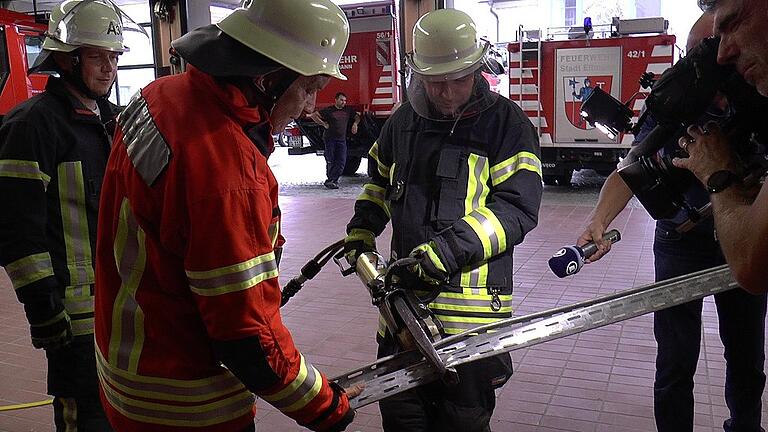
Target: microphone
570,259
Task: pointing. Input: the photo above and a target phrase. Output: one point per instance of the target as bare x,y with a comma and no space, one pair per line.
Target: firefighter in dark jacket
457,171
53,152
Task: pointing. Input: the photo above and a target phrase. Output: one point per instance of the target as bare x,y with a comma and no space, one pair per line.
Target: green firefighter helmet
307,37
446,46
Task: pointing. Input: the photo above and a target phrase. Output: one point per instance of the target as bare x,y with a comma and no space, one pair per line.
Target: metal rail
394,374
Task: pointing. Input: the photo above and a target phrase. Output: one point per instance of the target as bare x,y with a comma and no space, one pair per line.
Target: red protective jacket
187,274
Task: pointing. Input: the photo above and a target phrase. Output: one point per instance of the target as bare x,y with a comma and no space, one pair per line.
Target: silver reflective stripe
29,269
147,149
78,305
474,279
300,391
127,336
169,389
233,278
484,303
521,161
24,169
74,217
482,162
82,326
490,231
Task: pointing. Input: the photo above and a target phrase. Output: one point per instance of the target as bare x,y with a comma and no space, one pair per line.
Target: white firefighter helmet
84,23
446,46
307,37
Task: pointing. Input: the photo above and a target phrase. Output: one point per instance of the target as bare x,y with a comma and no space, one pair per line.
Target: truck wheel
353,164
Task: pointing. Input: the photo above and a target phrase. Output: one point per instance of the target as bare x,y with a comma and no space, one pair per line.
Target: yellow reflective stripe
59,316
74,219
69,413
82,327
233,278
475,276
127,333
489,230
381,167
477,184
475,306
273,230
189,416
429,249
375,194
23,169
168,389
521,161
78,305
299,392
392,173
29,269
382,329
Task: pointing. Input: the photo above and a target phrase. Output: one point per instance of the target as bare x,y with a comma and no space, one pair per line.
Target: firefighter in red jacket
189,231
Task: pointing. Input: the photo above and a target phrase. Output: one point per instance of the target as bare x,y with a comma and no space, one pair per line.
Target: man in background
335,119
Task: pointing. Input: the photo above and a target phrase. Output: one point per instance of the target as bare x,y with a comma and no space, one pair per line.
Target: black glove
49,324
358,242
429,268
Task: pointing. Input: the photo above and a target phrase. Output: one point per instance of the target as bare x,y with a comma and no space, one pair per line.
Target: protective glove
358,242
49,324
429,268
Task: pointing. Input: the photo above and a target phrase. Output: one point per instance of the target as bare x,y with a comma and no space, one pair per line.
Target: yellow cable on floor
26,405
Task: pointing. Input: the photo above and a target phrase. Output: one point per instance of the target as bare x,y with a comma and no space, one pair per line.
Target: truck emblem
576,90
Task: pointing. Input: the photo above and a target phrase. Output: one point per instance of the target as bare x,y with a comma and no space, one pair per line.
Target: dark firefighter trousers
435,407
73,383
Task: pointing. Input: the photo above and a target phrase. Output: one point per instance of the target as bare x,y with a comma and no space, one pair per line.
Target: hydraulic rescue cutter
435,357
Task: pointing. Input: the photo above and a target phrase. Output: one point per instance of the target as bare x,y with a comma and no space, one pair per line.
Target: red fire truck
20,42
370,63
550,77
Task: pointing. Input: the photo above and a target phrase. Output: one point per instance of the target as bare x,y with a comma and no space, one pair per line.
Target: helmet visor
449,99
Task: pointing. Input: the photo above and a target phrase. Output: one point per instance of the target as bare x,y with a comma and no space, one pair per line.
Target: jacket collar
78,111
253,120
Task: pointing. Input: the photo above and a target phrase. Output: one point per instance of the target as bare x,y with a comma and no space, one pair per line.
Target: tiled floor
597,381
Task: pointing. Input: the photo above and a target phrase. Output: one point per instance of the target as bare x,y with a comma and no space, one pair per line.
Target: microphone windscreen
566,261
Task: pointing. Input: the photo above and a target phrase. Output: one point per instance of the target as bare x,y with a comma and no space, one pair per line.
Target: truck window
34,45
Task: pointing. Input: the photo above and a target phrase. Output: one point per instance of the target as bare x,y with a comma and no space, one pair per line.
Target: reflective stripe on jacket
475,194
187,261
53,153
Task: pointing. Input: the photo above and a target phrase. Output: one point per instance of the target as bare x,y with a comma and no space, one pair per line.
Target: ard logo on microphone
572,267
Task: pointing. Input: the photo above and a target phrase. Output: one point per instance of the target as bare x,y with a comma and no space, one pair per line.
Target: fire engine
370,63
21,39
550,77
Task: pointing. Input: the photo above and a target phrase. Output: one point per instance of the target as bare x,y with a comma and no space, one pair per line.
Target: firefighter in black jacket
53,152
457,170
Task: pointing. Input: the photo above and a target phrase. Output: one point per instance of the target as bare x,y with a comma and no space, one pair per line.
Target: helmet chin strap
75,78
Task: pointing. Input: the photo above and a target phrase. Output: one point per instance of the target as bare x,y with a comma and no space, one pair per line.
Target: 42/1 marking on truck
636,53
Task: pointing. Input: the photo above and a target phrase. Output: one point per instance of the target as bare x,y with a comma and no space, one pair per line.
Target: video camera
681,97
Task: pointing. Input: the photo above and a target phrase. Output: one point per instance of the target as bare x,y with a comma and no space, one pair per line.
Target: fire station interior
579,373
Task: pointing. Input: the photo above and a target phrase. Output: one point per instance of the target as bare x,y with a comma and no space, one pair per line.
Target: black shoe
331,184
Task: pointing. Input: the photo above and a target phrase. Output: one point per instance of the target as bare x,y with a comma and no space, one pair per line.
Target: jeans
678,335
335,158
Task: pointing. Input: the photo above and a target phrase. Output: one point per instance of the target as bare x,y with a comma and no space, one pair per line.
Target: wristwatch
721,180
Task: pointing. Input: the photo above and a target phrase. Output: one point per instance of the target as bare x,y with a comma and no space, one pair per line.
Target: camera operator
678,330
744,43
